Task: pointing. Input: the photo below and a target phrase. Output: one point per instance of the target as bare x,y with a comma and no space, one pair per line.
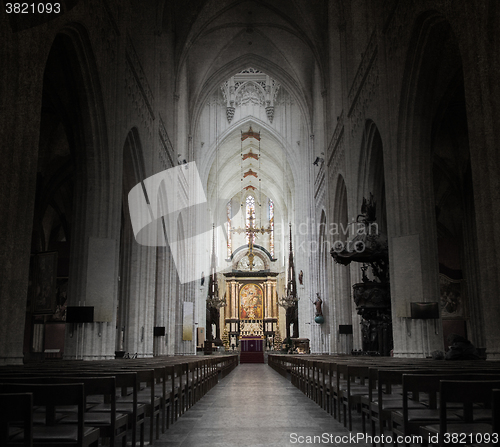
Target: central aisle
253,406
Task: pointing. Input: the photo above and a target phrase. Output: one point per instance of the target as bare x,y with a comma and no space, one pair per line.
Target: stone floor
255,406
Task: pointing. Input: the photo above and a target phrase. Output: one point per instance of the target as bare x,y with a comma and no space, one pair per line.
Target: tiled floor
255,406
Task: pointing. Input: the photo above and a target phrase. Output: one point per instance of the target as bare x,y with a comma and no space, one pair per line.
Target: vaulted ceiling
214,40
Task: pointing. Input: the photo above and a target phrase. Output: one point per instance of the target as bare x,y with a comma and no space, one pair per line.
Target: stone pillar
21,71
414,271
140,308
481,61
161,299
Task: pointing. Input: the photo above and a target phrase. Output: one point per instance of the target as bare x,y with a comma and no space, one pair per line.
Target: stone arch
259,252
260,91
77,161
235,66
92,134
432,81
371,177
211,154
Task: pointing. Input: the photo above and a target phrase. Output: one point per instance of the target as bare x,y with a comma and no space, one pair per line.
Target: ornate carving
230,114
368,246
368,211
225,90
244,264
250,70
275,87
372,298
253,328
270,113
376,331
250,93
371,294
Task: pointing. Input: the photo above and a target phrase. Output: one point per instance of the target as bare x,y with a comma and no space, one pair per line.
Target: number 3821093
32,8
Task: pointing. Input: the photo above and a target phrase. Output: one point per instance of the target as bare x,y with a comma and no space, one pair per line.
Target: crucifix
251,231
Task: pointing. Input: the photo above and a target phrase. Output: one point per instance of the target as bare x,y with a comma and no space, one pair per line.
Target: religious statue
301,277
318,304
368,210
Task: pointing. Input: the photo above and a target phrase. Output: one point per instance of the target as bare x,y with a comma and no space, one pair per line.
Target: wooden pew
357,386
112,425
16,408
470,430
175,393
51,396
408,421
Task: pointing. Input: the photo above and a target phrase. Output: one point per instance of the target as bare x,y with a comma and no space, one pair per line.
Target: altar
251,314
252,350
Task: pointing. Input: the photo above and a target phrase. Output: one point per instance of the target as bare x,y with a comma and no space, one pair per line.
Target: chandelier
216,302
288,301
213,298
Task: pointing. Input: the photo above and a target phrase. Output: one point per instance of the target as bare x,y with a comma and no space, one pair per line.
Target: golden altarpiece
252,299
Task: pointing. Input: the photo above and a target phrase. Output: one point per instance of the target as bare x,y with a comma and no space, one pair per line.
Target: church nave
254,406
195,179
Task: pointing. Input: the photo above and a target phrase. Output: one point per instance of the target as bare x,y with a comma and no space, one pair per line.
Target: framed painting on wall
453,297
251,302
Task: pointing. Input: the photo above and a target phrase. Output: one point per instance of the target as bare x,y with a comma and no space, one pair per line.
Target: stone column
481,61
23,58
161,297
414,271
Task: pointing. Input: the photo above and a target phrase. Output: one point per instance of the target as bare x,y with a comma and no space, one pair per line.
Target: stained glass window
250,216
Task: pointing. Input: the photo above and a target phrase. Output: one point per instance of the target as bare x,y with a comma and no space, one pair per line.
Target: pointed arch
371,176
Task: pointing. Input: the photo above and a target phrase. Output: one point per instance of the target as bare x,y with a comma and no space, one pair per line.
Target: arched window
250,216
